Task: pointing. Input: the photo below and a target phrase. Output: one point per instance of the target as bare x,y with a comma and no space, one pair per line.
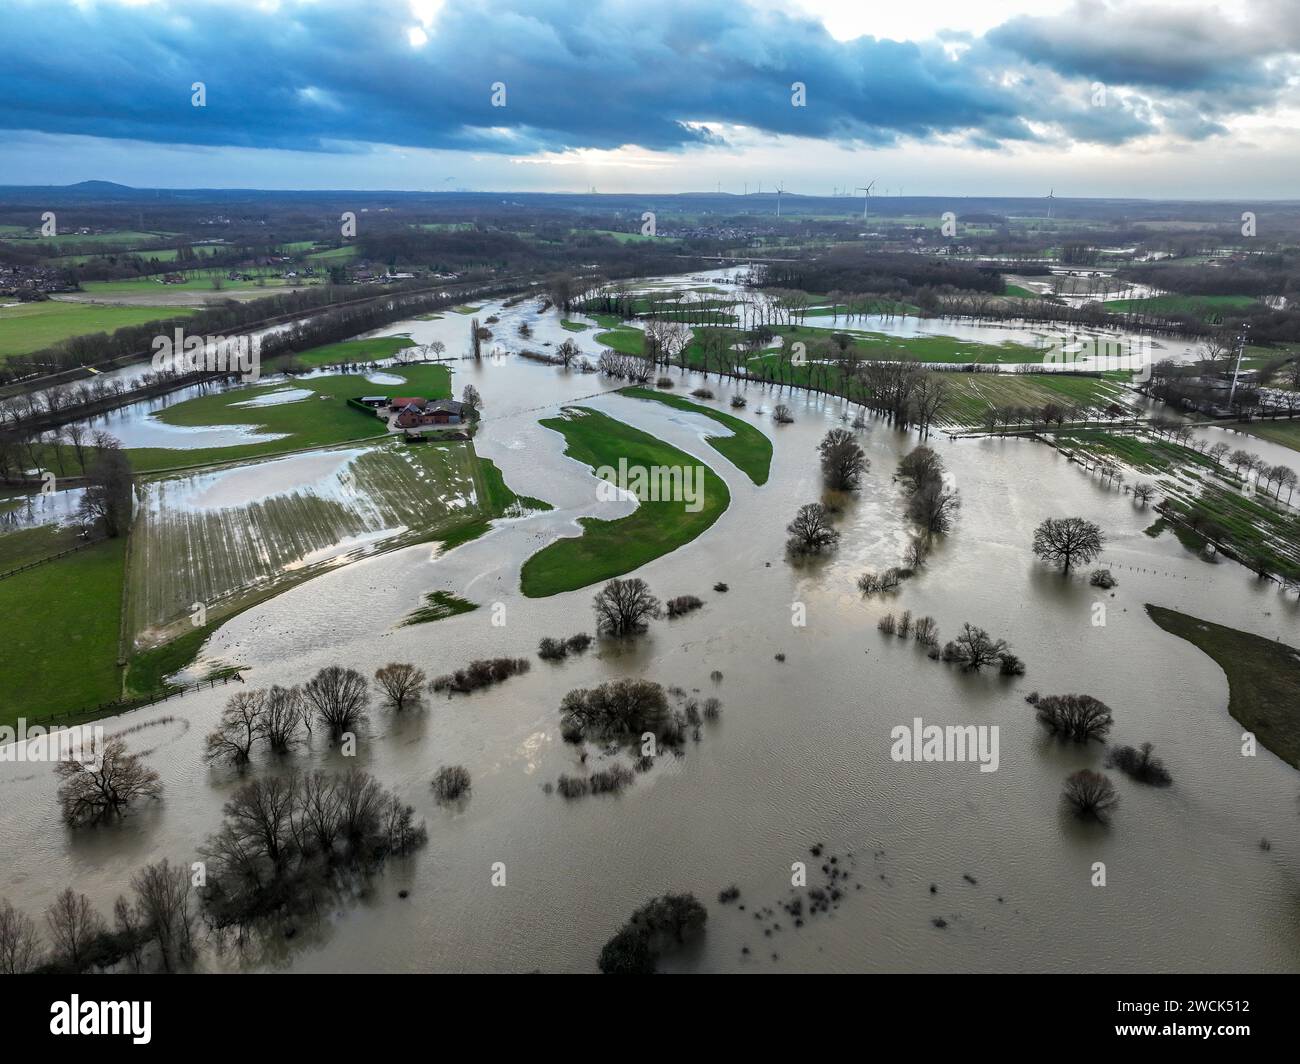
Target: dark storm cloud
334,74
1179,49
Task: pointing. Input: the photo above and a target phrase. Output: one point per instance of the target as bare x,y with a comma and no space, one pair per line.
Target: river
801,754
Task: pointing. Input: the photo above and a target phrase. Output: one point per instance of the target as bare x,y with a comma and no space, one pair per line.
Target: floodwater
801,753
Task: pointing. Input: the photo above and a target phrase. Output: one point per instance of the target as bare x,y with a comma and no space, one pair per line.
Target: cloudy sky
930,97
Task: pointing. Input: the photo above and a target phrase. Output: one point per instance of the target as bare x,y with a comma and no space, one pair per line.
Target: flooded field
217,538
948,868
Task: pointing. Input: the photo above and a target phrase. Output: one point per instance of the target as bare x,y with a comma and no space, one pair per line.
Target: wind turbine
866,199
779,190
1051,195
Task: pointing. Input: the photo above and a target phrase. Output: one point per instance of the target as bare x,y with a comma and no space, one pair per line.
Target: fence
108,709
51,558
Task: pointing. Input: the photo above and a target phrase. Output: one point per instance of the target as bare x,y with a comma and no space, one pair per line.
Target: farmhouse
417,413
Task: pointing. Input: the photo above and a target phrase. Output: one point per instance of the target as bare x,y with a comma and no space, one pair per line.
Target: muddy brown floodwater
801,754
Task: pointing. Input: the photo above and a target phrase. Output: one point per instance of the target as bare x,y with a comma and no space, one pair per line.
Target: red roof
405,402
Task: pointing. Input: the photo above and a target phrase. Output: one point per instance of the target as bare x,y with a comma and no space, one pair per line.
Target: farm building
417,413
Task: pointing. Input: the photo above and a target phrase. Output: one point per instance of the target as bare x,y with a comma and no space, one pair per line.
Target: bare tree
976,648
1091,794
285,712
75,434
319,811
238,729
340,697
108,494
74,925
933,506
568,352
1068,540
20,947
811,531
470,397
1143,493
258,814
843,461
103,787
1076,717
402,683
163,905
624,607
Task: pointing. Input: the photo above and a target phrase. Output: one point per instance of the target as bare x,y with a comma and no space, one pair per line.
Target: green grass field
334,255
611,548
746,448
1287,433
574,326
25,545
375,349
32,326
1175,304
59,632
971,394
201,281
625,339
1146,454
1263,678
439,605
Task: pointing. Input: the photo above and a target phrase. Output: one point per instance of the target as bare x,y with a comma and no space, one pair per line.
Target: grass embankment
59,633
574,326
746,448
1263,678
374,349
611,548
32,326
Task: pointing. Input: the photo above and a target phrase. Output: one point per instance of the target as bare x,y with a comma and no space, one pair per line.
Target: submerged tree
74,927
662,924
102,788
1091,795
843,461
811,531
20,946
237,730
1076,717
624,607
1140,764
975,648
284,714
340,697
163,908
1067,541
402,683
